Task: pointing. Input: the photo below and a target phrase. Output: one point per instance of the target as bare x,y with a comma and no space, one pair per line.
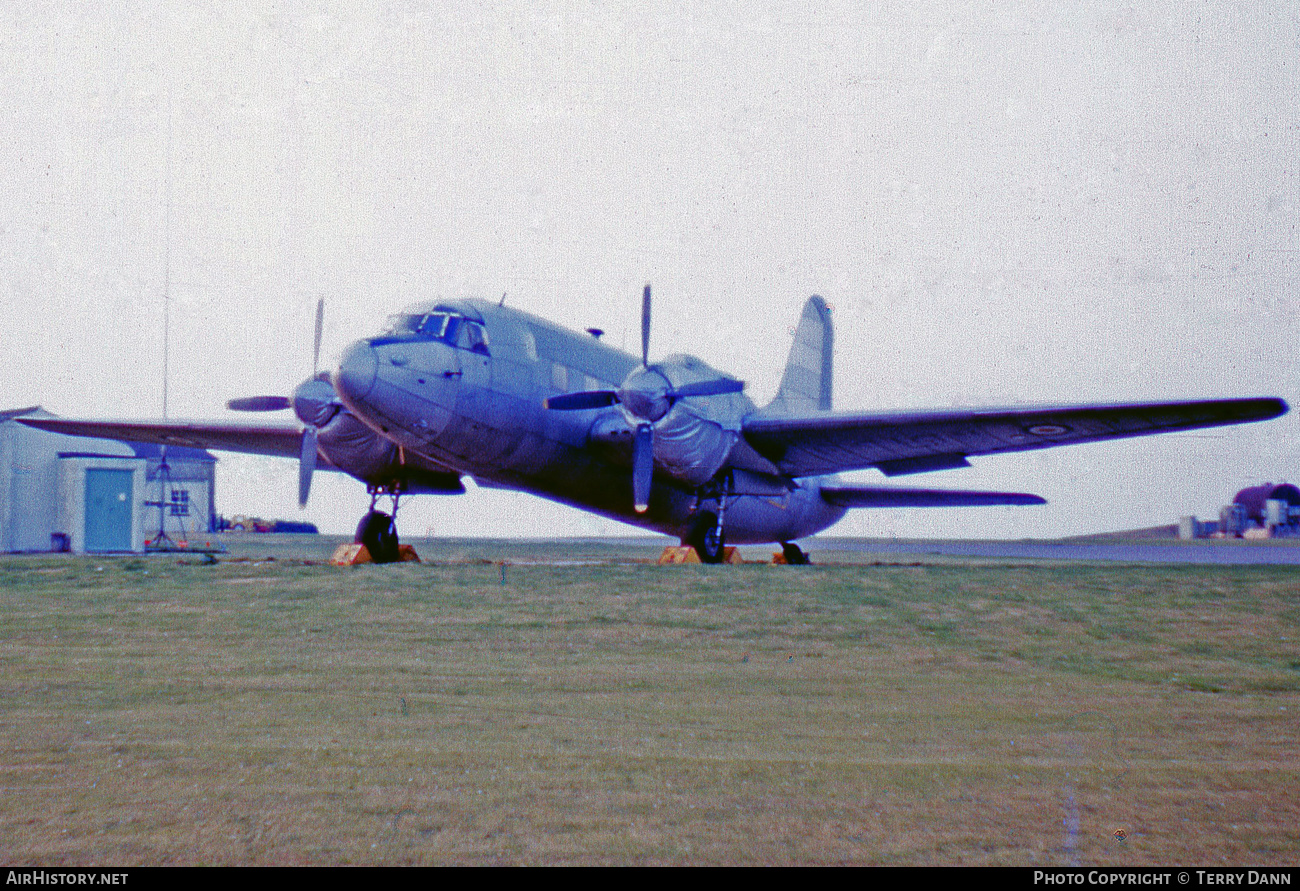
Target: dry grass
278,713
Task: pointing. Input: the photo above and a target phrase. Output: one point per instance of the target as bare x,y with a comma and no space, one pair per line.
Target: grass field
157,710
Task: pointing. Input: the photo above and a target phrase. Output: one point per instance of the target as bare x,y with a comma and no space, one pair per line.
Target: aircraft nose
356,375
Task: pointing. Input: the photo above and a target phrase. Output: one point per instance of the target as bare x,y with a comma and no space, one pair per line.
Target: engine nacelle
690,445
695,435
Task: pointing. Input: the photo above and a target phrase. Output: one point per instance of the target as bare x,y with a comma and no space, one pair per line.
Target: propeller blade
716,387
306,464
320,328
645,327
643,466
259,403
582,401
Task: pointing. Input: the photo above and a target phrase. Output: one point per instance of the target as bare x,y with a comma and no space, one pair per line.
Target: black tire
707,539
794,555
379,534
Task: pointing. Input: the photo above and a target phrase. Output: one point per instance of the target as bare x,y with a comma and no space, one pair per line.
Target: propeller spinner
645,395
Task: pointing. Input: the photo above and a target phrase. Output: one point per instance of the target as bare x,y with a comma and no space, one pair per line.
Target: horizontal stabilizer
886,496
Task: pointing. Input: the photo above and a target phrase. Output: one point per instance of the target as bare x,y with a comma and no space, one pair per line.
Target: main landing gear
707,535
708,538
378,530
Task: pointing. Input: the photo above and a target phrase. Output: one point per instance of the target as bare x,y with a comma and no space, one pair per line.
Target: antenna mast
167,263
163,541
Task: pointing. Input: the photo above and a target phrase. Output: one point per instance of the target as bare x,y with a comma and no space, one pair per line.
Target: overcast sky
1005,202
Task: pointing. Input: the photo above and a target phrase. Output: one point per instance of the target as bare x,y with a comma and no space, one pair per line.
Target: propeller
314,403
643,466
259,403
583,401
645,327
320,328
589,399
646,395
306,464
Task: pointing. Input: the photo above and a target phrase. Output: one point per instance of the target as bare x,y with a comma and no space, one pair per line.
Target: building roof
1253,499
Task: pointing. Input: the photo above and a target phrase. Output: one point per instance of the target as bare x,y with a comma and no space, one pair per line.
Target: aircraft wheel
379,534
707,539
794,555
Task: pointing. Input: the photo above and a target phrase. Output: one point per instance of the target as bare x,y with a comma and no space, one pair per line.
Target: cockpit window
399,325
472,337
444,326
435,325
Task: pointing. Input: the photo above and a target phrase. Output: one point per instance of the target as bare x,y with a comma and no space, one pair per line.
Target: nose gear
378,530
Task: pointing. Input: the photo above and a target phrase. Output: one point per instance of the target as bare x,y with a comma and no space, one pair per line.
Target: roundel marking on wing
1048,429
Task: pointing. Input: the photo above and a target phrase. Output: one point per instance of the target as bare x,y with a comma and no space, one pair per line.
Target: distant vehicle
472,388
241,523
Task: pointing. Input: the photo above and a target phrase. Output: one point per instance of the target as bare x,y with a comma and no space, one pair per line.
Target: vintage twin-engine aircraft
480,389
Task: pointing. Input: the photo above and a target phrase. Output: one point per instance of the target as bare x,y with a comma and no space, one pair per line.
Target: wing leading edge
281,440
915,442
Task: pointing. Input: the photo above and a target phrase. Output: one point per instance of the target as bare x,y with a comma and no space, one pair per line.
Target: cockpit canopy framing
441,323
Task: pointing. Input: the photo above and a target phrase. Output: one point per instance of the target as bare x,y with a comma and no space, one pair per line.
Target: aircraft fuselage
462,385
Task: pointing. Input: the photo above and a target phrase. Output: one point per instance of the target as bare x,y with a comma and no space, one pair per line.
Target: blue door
108,510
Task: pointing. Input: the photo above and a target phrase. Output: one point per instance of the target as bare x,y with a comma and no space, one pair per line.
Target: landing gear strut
707,534
378,530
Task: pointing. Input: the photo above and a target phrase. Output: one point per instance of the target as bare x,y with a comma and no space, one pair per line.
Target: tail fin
806,384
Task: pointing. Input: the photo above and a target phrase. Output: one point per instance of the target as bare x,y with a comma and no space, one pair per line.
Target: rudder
806,384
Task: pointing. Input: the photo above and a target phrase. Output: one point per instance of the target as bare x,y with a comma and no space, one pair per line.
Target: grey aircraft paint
483,414
472,388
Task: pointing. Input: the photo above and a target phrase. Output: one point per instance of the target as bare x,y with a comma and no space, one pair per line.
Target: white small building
67,493
182,497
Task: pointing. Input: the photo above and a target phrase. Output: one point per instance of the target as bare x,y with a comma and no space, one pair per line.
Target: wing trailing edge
916,442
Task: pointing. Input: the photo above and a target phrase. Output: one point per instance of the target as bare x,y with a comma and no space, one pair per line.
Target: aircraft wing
282,440
915,442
